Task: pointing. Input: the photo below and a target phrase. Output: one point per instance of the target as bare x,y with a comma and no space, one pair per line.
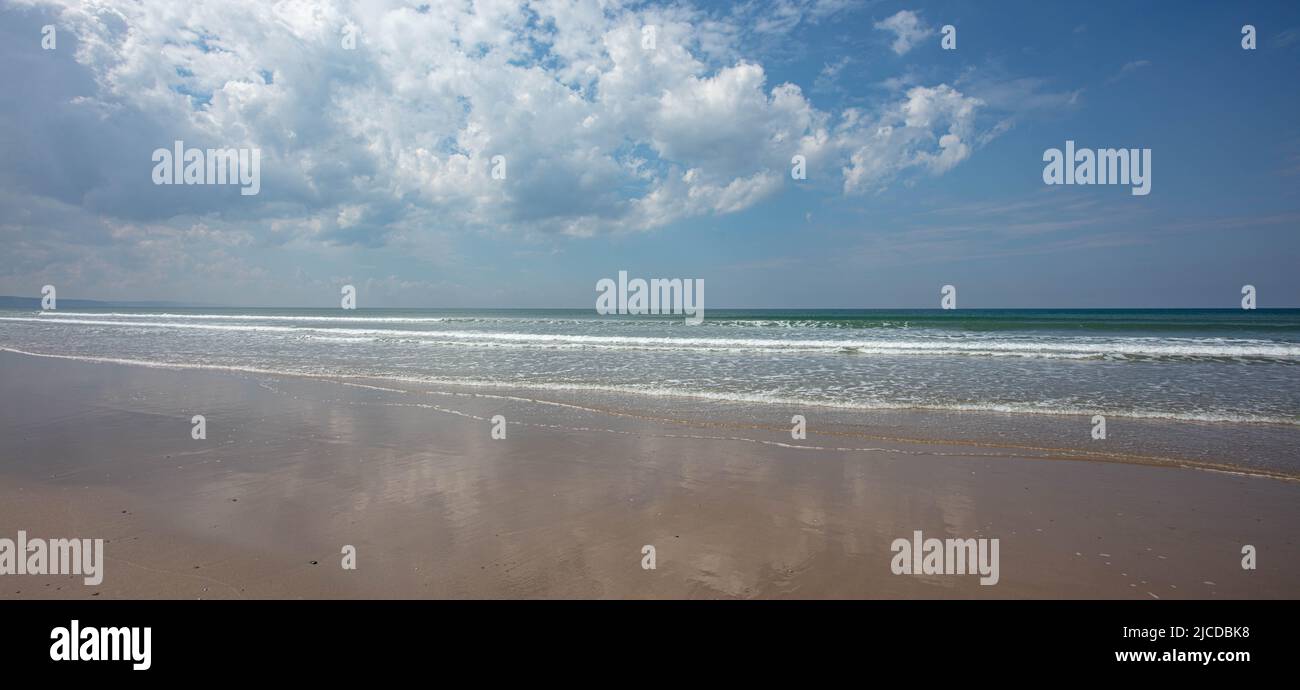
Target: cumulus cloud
595,128
907,29
392,143
931,129
598,132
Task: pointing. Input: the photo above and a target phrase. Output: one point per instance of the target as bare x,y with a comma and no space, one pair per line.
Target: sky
378,126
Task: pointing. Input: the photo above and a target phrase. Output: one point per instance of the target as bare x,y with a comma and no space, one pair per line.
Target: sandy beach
293,469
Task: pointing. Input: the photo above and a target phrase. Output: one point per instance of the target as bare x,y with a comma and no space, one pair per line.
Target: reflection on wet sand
294,469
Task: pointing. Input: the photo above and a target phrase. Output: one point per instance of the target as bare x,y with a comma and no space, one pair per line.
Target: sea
1208,366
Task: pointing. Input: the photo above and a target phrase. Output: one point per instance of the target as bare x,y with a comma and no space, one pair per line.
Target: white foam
666,392
1040,347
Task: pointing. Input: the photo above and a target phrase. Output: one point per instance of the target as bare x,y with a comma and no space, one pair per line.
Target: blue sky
924,165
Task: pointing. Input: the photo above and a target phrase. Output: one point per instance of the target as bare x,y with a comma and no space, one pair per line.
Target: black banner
320,639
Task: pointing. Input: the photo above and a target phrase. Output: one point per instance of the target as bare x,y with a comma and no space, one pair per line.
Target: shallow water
1213,366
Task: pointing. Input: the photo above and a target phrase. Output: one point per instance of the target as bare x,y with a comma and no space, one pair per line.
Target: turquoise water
1214,366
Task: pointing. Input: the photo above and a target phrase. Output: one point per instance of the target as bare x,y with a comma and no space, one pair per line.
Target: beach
974,327
294,468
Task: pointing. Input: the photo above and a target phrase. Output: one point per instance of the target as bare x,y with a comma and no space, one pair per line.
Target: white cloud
932,128
392,142
907,29
828,77
1128,68
782,16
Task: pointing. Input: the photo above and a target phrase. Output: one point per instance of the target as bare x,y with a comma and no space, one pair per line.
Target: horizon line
162,304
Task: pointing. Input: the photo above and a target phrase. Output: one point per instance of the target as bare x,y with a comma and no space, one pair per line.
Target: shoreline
723,399
523,392
294,468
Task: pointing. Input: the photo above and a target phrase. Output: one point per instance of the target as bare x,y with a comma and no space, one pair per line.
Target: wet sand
294,469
